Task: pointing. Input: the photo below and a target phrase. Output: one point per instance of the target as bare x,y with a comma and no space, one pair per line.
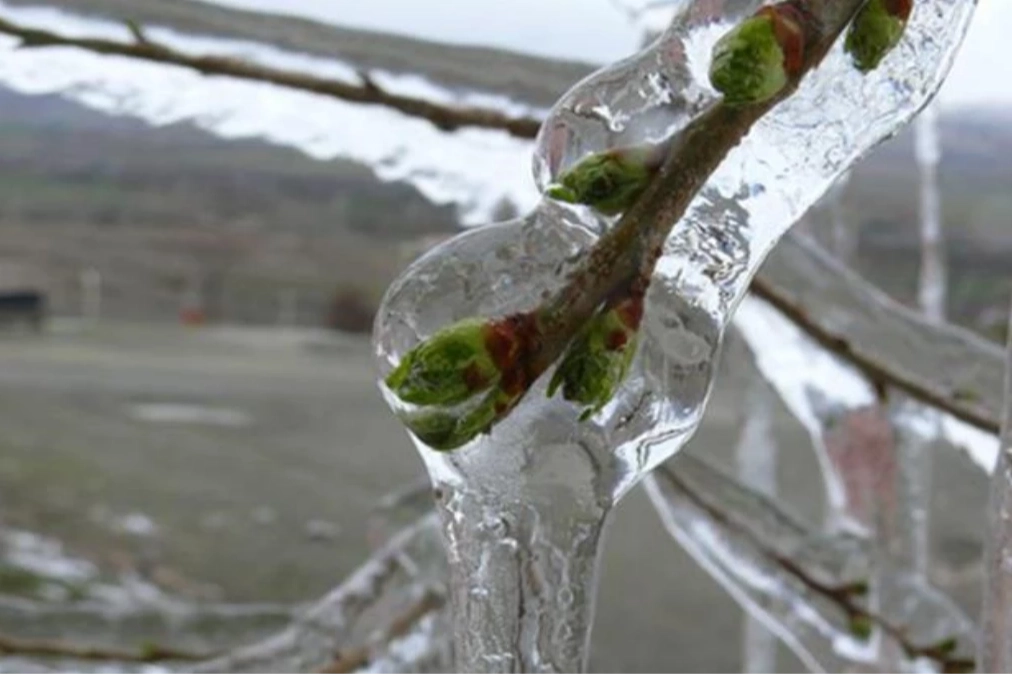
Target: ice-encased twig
995,651
914,453
807,587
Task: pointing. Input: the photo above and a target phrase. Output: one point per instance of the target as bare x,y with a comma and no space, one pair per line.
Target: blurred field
257,455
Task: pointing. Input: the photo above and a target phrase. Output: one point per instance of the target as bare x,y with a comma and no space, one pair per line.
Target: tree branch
806,288
359,657
894,346
622,261
447,118
845,597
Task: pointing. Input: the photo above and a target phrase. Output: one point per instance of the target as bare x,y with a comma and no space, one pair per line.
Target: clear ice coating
523,507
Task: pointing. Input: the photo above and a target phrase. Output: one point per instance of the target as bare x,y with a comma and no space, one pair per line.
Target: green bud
876,30
748,63
861,626
609,182
597,361
447,369
446,430
946,646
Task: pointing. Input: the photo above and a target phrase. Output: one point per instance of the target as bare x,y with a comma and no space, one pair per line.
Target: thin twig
58,649
444,117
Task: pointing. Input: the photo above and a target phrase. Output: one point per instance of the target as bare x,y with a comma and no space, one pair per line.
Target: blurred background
189,267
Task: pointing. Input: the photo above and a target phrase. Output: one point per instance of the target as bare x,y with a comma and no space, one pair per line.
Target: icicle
996,622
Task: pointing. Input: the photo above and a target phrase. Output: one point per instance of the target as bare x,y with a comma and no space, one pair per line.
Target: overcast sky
595,31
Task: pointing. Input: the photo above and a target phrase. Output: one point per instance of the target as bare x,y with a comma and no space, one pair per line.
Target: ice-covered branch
808,588
757,66
996,623
941,365
366,91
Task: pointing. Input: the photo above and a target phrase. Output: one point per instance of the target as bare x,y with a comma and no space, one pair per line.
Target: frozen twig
368,92
603,295
944,366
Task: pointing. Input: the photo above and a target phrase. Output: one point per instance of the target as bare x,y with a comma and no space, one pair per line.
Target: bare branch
447,118
138,32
